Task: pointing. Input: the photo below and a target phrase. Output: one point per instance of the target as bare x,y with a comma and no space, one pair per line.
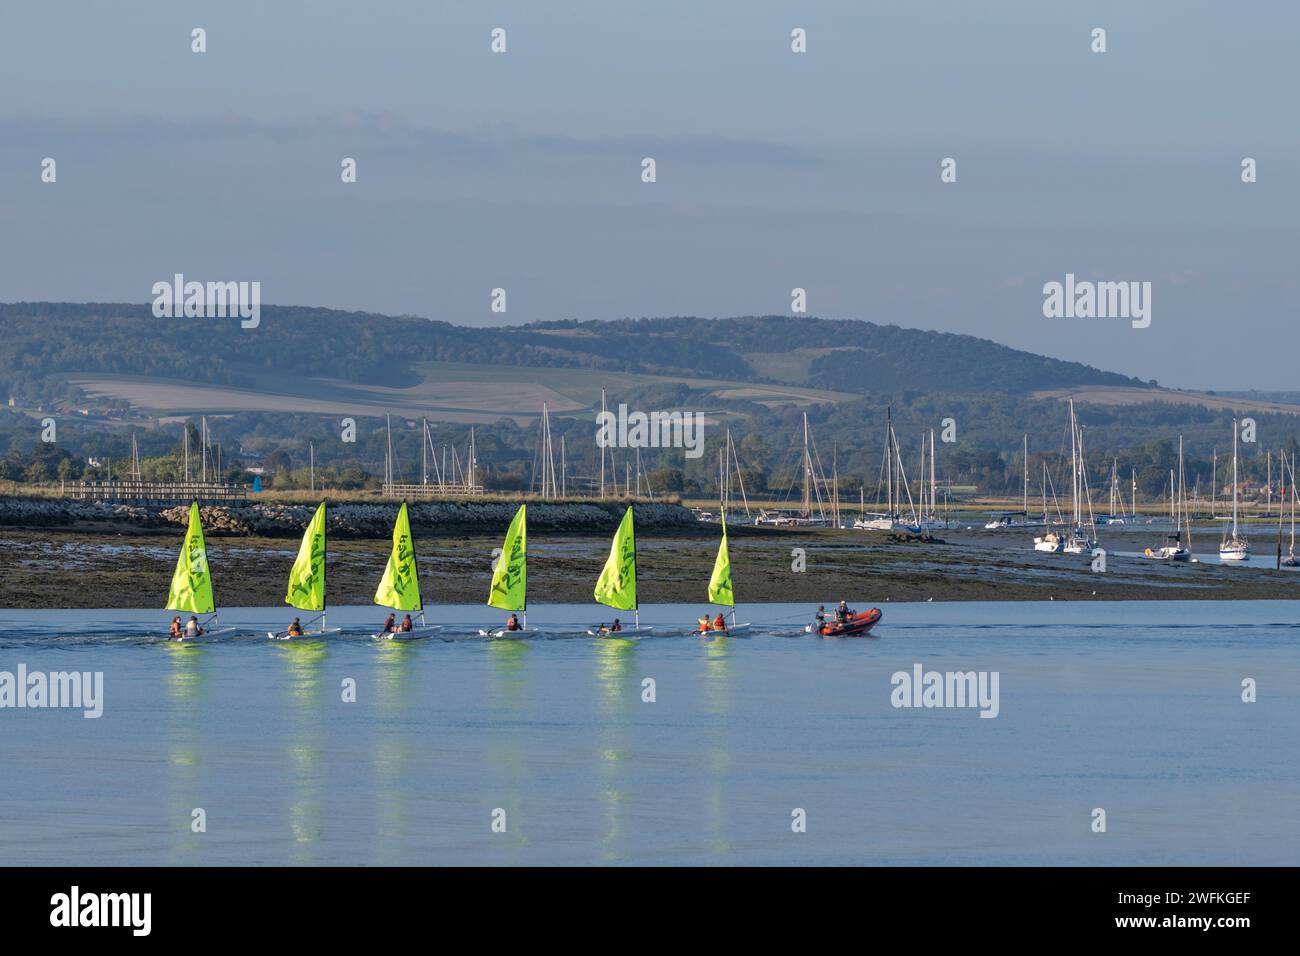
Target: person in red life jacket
176,628
513,623
719,622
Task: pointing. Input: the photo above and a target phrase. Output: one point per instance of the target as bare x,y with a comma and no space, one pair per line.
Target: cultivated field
1113,395
450,392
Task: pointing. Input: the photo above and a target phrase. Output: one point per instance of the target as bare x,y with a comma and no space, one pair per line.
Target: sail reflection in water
717,750
306,691
185,682
392,748
618,694
508,704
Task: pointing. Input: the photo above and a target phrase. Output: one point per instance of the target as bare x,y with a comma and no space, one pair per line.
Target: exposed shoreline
114,565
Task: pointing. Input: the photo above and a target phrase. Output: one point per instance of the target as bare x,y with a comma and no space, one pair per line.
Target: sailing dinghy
191,587
307,580
399,588
510,577
616,586
720,591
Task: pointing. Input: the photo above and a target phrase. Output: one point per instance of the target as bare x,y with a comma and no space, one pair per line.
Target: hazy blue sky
775,170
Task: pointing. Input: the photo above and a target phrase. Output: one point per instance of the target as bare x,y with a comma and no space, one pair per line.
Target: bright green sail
307,578
616,586
510,578
720,583
191,588
400,586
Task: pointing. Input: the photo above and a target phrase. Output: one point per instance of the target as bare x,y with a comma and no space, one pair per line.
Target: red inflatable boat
857,625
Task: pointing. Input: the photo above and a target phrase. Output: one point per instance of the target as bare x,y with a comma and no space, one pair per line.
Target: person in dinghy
847,622
614,628
390,624
513,624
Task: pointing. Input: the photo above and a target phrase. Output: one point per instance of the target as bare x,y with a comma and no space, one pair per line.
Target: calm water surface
1132,707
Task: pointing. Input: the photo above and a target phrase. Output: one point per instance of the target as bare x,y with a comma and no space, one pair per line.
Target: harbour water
1134,708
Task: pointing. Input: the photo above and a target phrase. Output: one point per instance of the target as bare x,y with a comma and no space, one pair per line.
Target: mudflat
108,567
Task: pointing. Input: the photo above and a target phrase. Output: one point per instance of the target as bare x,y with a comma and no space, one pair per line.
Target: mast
934,499
1183,517
807,471
388,455
1214,485
1292,504
1047,526
1024,500
604,420
1293,495
1234,479
473,463
1282,465
1074,462
186,431
311,452
889,459
548,456
424,451
835,482
1173,497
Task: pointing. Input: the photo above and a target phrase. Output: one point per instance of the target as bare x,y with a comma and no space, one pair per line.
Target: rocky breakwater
349,519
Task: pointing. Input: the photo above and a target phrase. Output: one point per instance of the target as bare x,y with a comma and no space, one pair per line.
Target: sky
775,170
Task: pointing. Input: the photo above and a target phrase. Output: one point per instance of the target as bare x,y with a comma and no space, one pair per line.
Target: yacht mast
1074,462
934,500
889,459
603,421
1234,479
1024,500
807,471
